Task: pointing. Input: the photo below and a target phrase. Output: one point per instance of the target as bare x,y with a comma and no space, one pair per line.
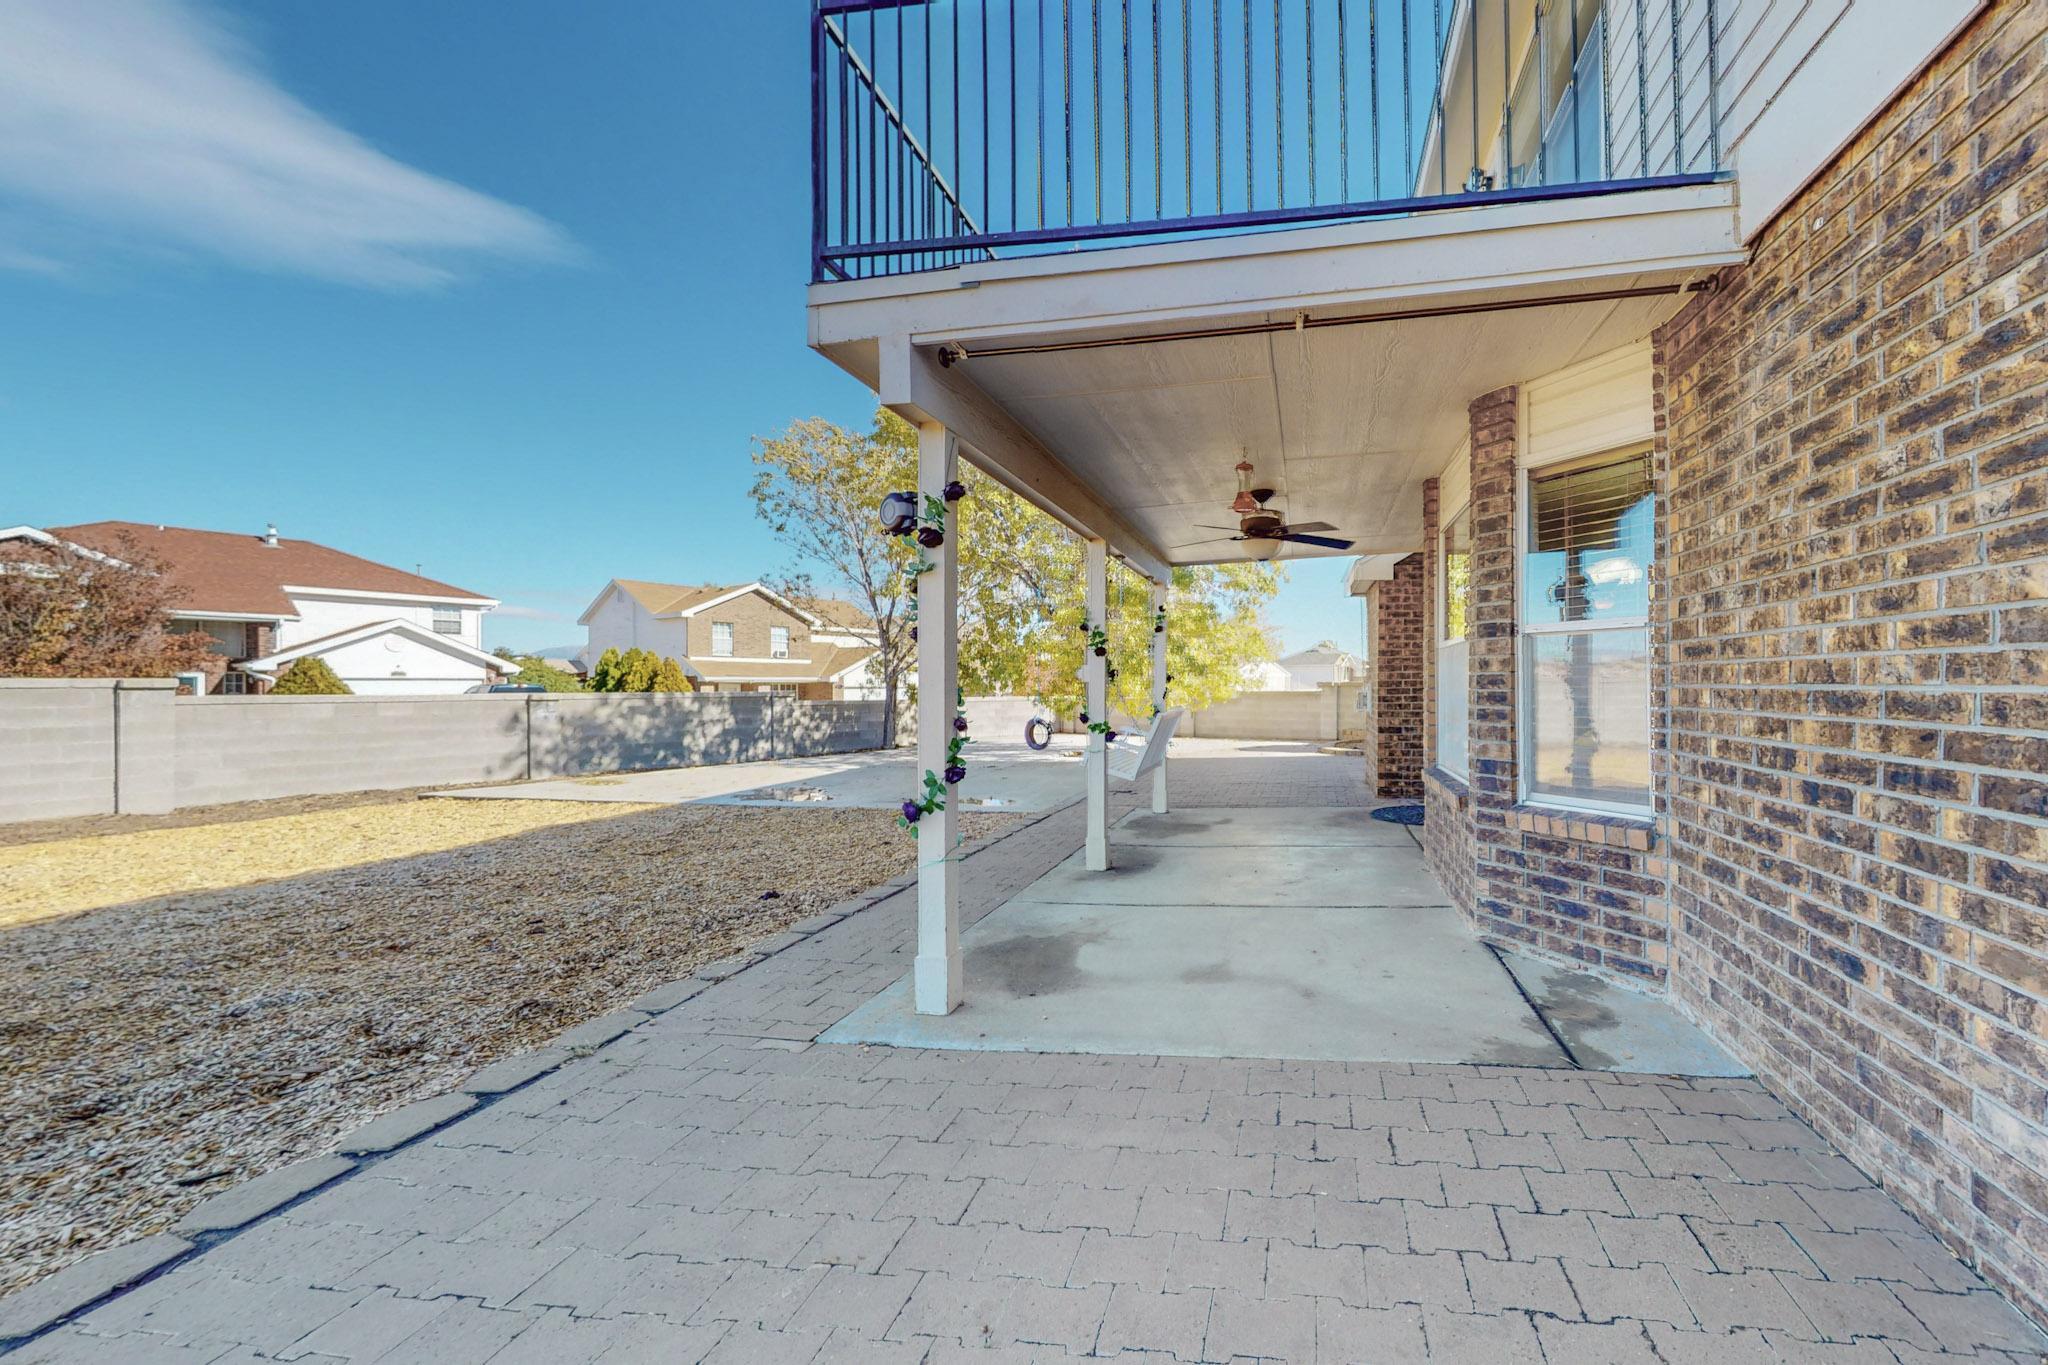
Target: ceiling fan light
1264,547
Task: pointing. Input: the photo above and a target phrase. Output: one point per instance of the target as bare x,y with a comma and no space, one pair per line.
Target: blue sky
499,290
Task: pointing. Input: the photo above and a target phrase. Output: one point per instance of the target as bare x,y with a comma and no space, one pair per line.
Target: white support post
1159,589
937,976
1096,673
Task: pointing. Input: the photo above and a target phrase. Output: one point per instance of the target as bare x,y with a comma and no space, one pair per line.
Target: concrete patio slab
1615,1029
1276,879
1269,827
1330,984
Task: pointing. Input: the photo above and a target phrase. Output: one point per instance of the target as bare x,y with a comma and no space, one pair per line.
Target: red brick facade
1589,889
1845,873
1393,749
1856,551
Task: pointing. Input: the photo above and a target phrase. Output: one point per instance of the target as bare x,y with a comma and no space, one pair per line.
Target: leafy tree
669,677
536,671
605,676
1022,593
818,487
637,670
309,677
72,613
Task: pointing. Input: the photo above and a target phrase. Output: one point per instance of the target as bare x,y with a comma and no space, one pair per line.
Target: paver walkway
716,1186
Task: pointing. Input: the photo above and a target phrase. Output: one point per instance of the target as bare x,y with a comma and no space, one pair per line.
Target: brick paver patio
716,1186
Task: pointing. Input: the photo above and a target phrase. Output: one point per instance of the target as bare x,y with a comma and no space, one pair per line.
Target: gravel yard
252,990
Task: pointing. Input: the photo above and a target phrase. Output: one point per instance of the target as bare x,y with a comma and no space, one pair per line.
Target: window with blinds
1590,541
1588,548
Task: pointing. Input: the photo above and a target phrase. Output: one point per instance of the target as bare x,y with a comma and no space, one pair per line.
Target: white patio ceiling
1345,422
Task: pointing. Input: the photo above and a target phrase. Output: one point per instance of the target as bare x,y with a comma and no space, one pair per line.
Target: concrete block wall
242,749
1307,716
56,747
97,746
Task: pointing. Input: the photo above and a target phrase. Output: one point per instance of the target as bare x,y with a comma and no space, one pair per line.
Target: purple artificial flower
956,774
1101,652
913,632
931,537
955,491
1084,717
1109,736
912,812
960,724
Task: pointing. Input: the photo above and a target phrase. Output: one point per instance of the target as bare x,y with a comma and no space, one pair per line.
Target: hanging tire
1038,732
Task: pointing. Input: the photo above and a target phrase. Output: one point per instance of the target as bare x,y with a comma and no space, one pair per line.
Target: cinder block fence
101,745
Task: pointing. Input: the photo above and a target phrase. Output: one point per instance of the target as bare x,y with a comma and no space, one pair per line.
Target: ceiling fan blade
1308,526
1327,542
1212,540
1205,526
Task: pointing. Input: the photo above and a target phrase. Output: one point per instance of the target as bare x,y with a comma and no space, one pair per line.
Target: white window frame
1526,634
447,621
727,627
1444,642
778,642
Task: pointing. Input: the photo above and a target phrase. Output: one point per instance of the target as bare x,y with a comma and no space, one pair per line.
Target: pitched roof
666,597
835,612
228,572
320,644
824,665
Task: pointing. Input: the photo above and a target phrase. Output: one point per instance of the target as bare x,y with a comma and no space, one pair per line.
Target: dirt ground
159,1049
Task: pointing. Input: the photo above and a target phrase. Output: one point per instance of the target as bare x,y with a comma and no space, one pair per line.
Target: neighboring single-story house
268,602
742,637
1308,669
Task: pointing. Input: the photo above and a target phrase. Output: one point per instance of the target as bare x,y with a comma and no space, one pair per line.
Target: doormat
1399,815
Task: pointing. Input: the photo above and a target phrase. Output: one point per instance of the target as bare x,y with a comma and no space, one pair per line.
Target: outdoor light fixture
1244,504
899,513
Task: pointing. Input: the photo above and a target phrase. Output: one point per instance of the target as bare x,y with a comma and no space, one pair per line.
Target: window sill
1450,782
1616,831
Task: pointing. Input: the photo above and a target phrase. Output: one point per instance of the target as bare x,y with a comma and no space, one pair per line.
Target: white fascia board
752,659
434,639
42,537
1532,249
916,386
762,588
440,599
598,601
189,614
1367,570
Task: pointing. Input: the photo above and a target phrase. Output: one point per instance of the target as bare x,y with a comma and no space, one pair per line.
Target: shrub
605,676
539,672
669,677
309,677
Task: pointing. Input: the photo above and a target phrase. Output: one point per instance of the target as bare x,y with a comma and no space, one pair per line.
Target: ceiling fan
1259,523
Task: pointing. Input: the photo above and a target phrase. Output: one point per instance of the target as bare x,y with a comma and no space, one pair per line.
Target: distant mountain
556,652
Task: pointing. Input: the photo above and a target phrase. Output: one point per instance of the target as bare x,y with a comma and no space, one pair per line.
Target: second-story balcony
952,131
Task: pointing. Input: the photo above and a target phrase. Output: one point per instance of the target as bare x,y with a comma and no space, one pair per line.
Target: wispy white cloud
154,123
519,613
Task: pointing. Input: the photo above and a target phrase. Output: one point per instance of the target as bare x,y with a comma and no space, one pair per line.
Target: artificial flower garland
929,529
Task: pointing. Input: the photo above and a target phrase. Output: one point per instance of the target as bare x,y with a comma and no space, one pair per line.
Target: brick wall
1586,889
1856,650
750,615
1394,755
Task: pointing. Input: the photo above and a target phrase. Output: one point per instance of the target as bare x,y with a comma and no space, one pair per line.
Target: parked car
508,687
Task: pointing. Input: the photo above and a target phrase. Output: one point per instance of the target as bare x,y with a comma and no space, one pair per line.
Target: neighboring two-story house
269,602
742,637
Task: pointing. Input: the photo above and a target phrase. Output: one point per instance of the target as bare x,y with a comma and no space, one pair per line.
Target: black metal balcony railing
946,131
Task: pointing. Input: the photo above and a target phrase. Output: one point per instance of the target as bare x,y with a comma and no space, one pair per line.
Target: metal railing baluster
890,194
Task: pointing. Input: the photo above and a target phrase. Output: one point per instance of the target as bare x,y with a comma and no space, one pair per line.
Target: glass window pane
1588,716
1590,544
1451,715
1457,584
